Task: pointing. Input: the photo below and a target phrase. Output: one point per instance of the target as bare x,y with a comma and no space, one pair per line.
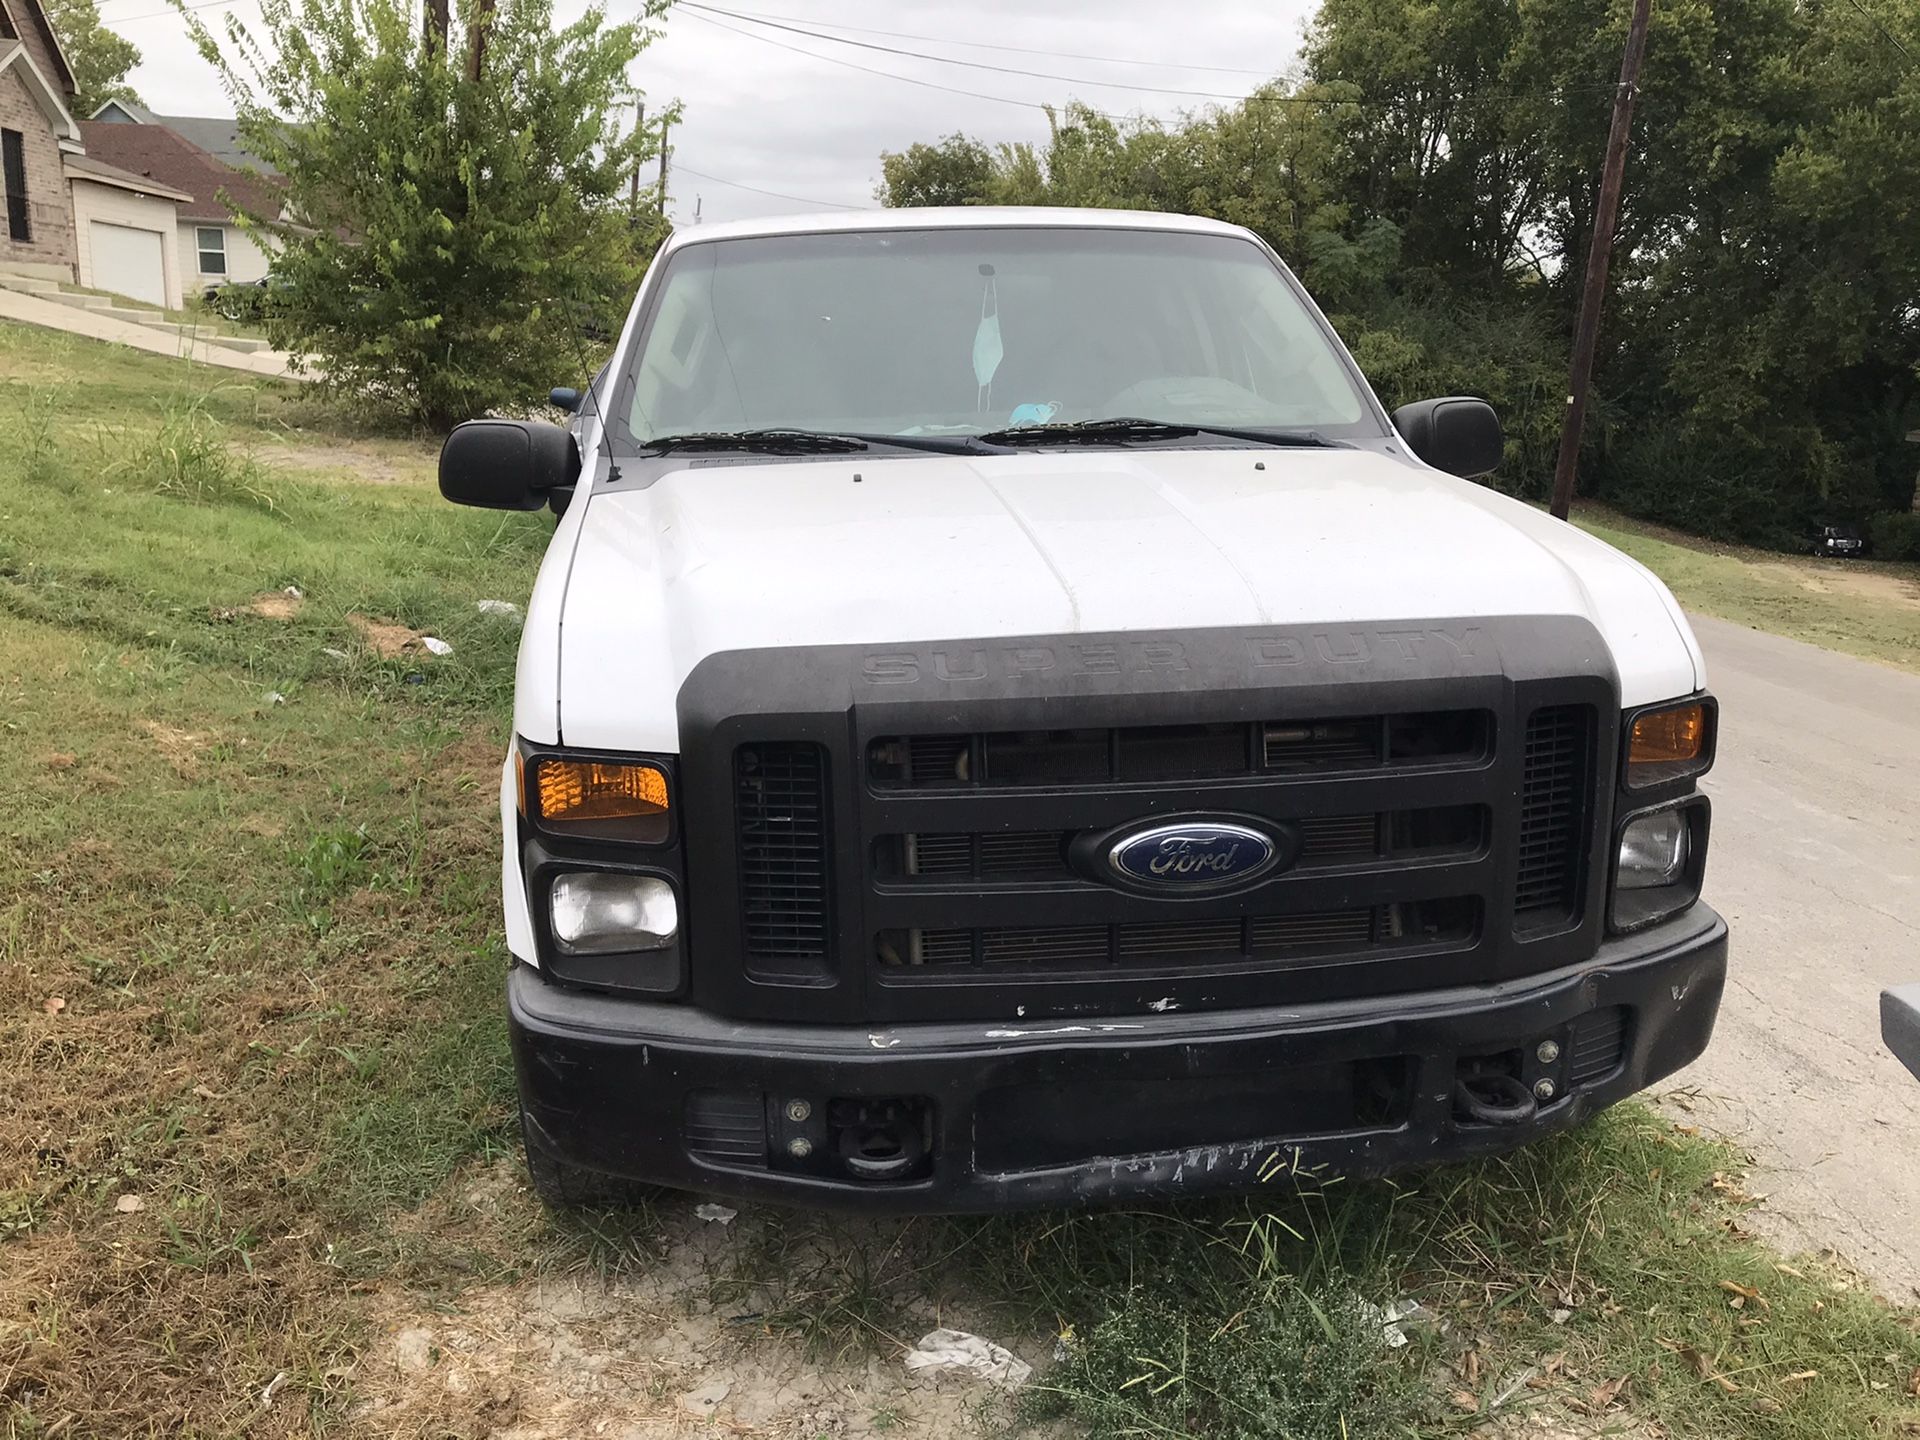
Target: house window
213,249
13,179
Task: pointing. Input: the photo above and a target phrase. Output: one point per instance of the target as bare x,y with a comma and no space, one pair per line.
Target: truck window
958,331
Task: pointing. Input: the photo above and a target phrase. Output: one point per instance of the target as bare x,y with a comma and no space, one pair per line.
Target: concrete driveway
1815,862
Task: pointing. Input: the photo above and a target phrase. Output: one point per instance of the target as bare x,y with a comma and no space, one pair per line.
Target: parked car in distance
1840,541
1008,719
245,300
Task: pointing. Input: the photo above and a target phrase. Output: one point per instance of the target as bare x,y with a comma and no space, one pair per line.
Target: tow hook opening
880,1139
1487,1091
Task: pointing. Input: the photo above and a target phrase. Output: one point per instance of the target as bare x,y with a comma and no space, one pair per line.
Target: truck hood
716,557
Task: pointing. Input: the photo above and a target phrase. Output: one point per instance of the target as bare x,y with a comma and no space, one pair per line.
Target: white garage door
129,262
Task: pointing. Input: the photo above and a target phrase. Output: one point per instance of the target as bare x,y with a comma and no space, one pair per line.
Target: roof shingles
171,160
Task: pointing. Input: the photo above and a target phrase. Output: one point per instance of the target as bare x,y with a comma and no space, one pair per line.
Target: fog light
596,913
1653,851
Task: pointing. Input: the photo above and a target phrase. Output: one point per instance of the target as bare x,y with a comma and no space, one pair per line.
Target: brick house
37,132
151,228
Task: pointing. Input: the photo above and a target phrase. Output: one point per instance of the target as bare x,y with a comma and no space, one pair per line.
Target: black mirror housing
507,464
564,397
1457,434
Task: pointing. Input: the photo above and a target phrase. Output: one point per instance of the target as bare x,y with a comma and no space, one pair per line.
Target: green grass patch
1863,607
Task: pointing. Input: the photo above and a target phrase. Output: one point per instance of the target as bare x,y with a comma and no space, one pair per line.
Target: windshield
966,331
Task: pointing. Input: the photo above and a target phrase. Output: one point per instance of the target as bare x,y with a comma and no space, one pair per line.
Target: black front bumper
1016,1114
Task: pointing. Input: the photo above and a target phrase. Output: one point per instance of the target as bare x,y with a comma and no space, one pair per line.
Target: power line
701,13
869,70
1875,20
156,14
951,60
1017,49
686,169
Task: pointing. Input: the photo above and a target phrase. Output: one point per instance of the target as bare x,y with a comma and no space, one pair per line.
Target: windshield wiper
1123,428
813,442
773,442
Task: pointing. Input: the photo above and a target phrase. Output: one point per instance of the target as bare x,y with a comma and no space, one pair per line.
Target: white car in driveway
1007,718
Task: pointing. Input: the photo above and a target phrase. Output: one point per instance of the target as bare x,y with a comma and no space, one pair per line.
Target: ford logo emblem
1193,856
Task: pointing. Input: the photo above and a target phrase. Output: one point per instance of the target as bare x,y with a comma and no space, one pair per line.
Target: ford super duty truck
1007,718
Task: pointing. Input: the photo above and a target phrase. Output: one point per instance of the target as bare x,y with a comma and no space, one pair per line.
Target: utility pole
664,128
639,129
1606,211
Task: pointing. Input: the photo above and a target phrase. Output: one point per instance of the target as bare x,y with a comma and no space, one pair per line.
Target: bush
1896,536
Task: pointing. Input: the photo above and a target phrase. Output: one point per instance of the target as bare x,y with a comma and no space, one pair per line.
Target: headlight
1657,869
1653,851
600,913
597,799
1670,743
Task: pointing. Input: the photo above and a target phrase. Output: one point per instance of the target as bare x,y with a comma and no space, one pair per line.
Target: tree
99,58
449,243
956,171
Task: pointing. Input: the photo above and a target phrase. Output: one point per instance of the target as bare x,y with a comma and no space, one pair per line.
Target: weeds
334,860
188,458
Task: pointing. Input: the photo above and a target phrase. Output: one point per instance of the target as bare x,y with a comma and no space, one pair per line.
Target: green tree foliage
954,172
448,245
99,58
1430,174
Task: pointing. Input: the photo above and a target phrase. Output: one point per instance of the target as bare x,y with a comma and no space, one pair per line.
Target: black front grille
780,817
902,827
1042,854
1175,752
1079,948
1554,795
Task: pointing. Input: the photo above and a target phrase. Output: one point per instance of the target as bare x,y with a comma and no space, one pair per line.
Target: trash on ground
957,1350
129,1204
274,697
703,1402
334,654
506,609
718,1213
436,645
1396,1319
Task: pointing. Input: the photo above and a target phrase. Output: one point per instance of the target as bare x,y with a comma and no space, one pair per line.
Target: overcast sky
759,112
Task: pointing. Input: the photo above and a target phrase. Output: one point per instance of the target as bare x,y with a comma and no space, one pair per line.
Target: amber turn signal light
1669,744
567,790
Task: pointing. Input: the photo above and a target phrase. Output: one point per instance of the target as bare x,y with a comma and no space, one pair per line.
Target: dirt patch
181,748
1844,578
663,1348
351,461
389,639
277,604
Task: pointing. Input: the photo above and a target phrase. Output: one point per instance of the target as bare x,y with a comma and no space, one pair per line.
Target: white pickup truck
1007,718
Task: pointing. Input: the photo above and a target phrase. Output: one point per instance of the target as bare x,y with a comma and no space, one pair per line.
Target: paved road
1815,862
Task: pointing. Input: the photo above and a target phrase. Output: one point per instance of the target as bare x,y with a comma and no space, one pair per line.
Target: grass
250,1034
1862,607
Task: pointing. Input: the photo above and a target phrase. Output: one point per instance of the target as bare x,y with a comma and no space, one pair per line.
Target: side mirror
1458,434
564,397
507,464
